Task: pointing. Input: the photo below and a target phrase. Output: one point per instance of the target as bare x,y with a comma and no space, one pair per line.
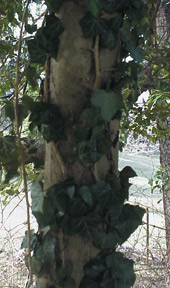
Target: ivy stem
21,150
96,60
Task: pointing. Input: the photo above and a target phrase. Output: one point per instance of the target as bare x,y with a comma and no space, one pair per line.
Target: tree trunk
71,84
163,24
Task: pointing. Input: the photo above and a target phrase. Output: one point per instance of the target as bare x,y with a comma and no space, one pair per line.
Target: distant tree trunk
163,28
71,84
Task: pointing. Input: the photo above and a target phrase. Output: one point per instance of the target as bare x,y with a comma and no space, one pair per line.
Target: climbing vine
99,212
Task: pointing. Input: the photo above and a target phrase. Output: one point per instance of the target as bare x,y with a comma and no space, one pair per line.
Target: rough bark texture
165,164
163,26
72,78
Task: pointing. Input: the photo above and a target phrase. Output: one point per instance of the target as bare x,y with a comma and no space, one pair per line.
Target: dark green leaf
127,172
93,6
128,221
88,282
86,195
70,191
30,28
52,134
104,240
86,226
8,147
103,193
28,102
37,197
91,117
53,28
64,278
54,5
24,243
138,4
109,39
126,34
116,22
47,217
87,152
9,111
108,102
48,118
31,75
121,270
37,54
104,144
111,6
92,26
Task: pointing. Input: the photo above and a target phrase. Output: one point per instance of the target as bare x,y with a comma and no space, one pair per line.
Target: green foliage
53,6
95,213
46,40
92,26
98,212
9,156
92,140
48,119
106,270
108,102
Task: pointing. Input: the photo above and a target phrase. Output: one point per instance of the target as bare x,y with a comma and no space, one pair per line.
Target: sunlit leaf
108,102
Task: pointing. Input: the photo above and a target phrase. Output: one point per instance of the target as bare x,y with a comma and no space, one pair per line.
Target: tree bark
163,32
72,77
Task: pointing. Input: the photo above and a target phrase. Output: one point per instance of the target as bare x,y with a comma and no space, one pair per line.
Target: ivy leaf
121,269
28,102
49,121
91,117
30,28
9,110
70,191
92,26
64,278
47,217
53,28
8,147
37,196
111,6
127,172
24,243
93,7
31,75
109,39
86,226
128,221
103,144
138,4
46,40
108,102
135,52
103,193
86,195
54,5
104,240
116,22
125,30
37,53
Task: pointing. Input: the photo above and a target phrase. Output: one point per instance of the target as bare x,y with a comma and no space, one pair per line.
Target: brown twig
17,81
96,60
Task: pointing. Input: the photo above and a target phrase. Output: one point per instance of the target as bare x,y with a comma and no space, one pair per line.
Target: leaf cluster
97,213
127,25
46,40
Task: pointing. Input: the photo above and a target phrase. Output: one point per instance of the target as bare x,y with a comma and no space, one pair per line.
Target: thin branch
17,81
96,60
